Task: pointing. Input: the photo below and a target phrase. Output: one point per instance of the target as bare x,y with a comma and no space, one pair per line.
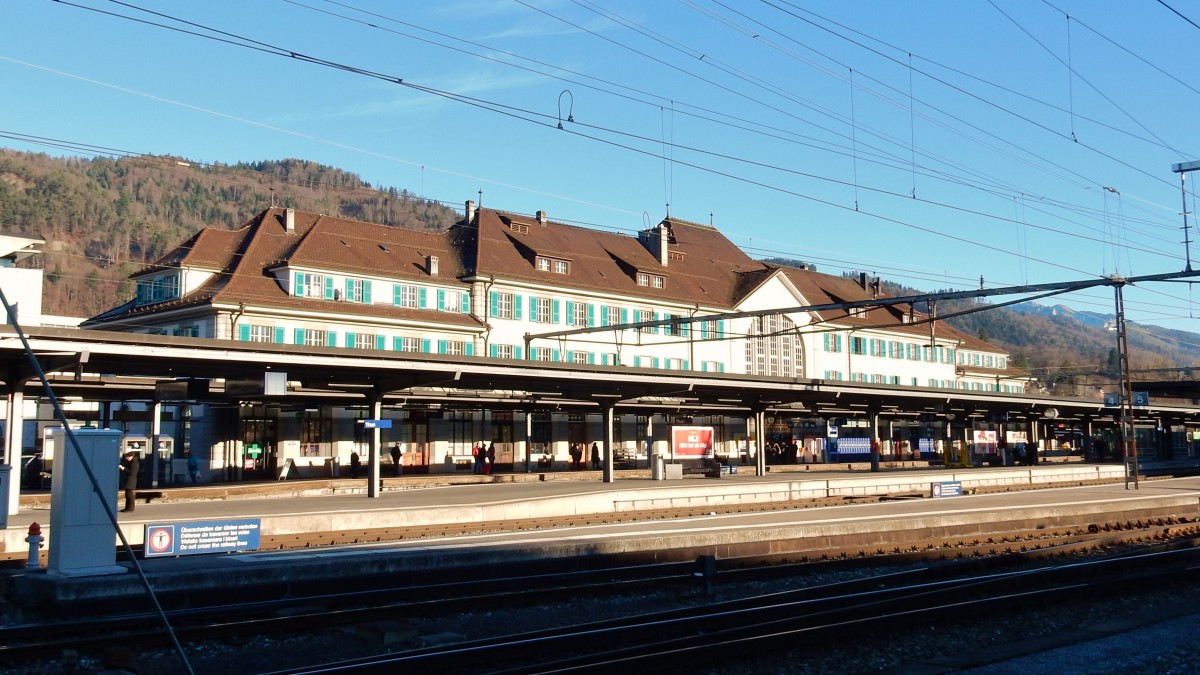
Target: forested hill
1069,352
104,218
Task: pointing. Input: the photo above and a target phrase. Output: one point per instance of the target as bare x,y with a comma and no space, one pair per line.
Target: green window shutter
279,336
396,293
397,344
493,305
328,288
554,312
331,338
591,315
721,328
441,346
244,332
469,348
654,362
704,366
637,362
426,346
441,299
592,358
299,334
518,352
466,303
298,286
421,295
554,355
494,351
516,307
367,292
655,328
720,367
603,315
570,310
349,339
685,328
624,315
686,365
604,359
380,342
349,293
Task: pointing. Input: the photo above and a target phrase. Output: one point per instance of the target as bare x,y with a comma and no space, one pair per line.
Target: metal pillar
373,481
1128,442
155,433
876,445
13,439
760,440
528,439
607,460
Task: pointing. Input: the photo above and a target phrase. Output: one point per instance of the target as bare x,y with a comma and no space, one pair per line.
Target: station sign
212,536
377,424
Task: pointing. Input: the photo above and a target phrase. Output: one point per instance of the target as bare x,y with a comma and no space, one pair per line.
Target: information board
948,488
212,536
692,442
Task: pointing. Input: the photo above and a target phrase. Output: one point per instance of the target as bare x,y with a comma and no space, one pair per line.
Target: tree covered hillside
104,218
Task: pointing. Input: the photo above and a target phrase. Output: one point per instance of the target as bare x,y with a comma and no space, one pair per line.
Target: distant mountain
104,218
1070,351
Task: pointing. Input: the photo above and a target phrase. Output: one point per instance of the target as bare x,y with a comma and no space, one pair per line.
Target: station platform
342,505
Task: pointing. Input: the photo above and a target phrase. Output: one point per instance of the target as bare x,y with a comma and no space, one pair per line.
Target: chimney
470,211
541,217
431,264
289,220
862,280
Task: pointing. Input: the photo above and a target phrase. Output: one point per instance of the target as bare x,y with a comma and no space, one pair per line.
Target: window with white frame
410,344
408,296
543,264
354,290
612,315
578,314
503,307
452,301
579,356
541,353
674,329
773,347
262,333
365,341
644,315
712,367
314,286
651,280
539,310
858,345
709,330
561,267
673,364
315,338
454,347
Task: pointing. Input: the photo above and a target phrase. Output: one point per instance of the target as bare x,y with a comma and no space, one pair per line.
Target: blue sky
932,143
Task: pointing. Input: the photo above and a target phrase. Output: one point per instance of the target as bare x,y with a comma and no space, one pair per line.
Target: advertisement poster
692,442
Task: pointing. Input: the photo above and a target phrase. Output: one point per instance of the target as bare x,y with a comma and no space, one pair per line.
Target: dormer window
651,280
158,289
519,228
553,265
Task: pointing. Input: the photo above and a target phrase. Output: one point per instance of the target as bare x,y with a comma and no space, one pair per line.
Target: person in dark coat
396,466
491,458
355,463
129,479
595,457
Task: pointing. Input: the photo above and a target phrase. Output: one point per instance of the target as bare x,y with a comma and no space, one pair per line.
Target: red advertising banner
692,442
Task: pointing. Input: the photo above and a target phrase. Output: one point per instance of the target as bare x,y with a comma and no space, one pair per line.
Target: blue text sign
212,536
948,488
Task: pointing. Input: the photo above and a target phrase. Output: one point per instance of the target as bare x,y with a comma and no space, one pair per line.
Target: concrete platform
345,507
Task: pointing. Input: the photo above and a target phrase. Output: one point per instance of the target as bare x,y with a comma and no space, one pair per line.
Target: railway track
222,617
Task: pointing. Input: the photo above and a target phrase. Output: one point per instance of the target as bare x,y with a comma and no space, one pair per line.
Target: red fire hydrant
35,543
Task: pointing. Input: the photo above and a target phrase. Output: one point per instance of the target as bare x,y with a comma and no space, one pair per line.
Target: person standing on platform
595,456
397,467
355,463
477,453
193,467
491,458
129,479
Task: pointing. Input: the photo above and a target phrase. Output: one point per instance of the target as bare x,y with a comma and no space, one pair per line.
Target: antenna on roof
668,209
481,199
710,219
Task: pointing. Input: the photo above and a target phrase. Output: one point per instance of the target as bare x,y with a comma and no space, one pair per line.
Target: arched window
773,347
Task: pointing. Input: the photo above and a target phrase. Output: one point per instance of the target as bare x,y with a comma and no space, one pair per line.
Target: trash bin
656,467
5,471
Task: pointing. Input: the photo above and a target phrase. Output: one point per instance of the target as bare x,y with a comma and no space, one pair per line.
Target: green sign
253,450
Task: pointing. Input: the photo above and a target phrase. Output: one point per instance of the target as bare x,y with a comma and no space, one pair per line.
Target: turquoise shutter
516,307
279,337
396,292
367,292
397,344
603,315
299,335
421,298
331,339
469,348
570,310
466,303
494,351
655,328
604,359
624,315
244,332
554,312
684,328
380,342
654,362
554,355
493,305
441,346
441,299
637,362
349,339
721,328
720,367
592,358
591,315
425,346
349,289
328,288
517,352
298,288
686,365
